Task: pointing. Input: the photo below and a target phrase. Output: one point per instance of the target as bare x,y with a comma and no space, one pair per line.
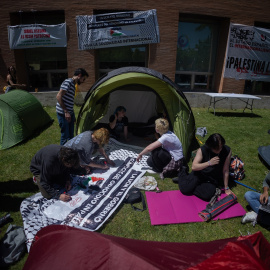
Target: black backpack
237,171
134,195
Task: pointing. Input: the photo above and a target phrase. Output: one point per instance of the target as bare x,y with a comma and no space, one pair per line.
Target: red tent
63,247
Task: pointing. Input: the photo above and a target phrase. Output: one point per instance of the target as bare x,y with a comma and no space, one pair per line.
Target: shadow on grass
9,202
237,114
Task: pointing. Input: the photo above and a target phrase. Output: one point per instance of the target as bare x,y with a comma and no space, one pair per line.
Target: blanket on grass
93,202
172,207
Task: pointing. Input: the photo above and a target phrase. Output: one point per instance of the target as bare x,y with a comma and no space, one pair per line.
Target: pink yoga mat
170,207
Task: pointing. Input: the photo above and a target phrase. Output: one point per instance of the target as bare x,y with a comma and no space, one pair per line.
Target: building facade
191,51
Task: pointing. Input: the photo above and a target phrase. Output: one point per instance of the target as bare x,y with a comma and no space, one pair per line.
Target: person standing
65,104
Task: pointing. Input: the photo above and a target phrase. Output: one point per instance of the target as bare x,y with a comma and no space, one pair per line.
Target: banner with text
117,29
37,35
248,53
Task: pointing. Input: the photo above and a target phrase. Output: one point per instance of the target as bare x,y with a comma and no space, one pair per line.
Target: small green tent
21,114
145,93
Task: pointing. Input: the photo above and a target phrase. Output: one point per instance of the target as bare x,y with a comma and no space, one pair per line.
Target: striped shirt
68,85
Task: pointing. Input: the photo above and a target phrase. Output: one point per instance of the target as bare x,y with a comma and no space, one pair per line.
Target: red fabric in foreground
63,247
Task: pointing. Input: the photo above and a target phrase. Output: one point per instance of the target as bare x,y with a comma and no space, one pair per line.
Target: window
196,54
47,67
116,57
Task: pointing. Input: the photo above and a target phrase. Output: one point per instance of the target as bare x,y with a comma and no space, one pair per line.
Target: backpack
237,171
12,245
134,195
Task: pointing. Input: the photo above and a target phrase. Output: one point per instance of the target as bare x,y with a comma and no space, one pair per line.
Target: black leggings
190,184
159,159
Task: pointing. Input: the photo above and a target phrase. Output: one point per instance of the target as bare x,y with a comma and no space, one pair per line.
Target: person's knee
249,195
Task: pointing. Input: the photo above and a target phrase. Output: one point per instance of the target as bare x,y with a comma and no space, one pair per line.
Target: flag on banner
248,53
37,35
117,29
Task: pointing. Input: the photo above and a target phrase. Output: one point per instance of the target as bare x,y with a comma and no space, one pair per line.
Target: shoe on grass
249,217
175,180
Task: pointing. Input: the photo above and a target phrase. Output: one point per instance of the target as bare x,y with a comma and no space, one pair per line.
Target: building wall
162,56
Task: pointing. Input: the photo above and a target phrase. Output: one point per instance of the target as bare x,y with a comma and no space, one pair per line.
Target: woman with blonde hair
166,153
86,144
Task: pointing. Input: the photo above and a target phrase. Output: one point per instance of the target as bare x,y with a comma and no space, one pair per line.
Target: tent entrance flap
140,105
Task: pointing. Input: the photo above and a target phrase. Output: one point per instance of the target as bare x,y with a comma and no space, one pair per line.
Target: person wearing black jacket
210,170
51,168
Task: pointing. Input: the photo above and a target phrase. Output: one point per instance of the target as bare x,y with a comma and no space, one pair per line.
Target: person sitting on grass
85,144
166,153
210,169
119,123
255,199
51,169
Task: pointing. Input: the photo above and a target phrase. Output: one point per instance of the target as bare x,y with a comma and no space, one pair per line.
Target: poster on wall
248,53
37,35
117,29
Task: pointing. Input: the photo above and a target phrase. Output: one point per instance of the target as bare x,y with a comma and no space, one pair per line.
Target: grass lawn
243,132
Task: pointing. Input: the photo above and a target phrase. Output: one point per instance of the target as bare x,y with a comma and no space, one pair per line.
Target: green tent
145,93
21,114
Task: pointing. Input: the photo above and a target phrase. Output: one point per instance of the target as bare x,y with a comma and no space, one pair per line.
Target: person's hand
214,161
67,116
264,198
228,192
68,186
104,167
65,197
111,162
139,157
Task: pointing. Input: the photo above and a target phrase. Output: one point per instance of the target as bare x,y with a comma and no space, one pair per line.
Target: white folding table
216,97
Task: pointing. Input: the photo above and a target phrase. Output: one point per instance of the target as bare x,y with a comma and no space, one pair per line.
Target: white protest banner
248,53
37,35
117,29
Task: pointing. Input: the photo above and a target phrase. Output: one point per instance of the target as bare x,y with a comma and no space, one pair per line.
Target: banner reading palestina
37,35
248,53
117,29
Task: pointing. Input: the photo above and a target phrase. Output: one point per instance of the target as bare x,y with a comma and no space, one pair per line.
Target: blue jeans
253,198
67,128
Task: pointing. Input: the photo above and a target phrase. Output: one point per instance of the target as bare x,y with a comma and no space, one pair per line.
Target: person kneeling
51,169
85,144
166,153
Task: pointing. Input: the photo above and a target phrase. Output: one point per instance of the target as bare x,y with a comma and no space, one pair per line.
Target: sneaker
249,217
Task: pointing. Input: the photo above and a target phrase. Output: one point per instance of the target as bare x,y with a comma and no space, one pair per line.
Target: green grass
243,132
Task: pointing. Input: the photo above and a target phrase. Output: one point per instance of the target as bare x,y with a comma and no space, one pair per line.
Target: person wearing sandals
166,153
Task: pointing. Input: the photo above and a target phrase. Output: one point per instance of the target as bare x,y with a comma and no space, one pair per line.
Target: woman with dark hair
12,80
119,123
210,169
